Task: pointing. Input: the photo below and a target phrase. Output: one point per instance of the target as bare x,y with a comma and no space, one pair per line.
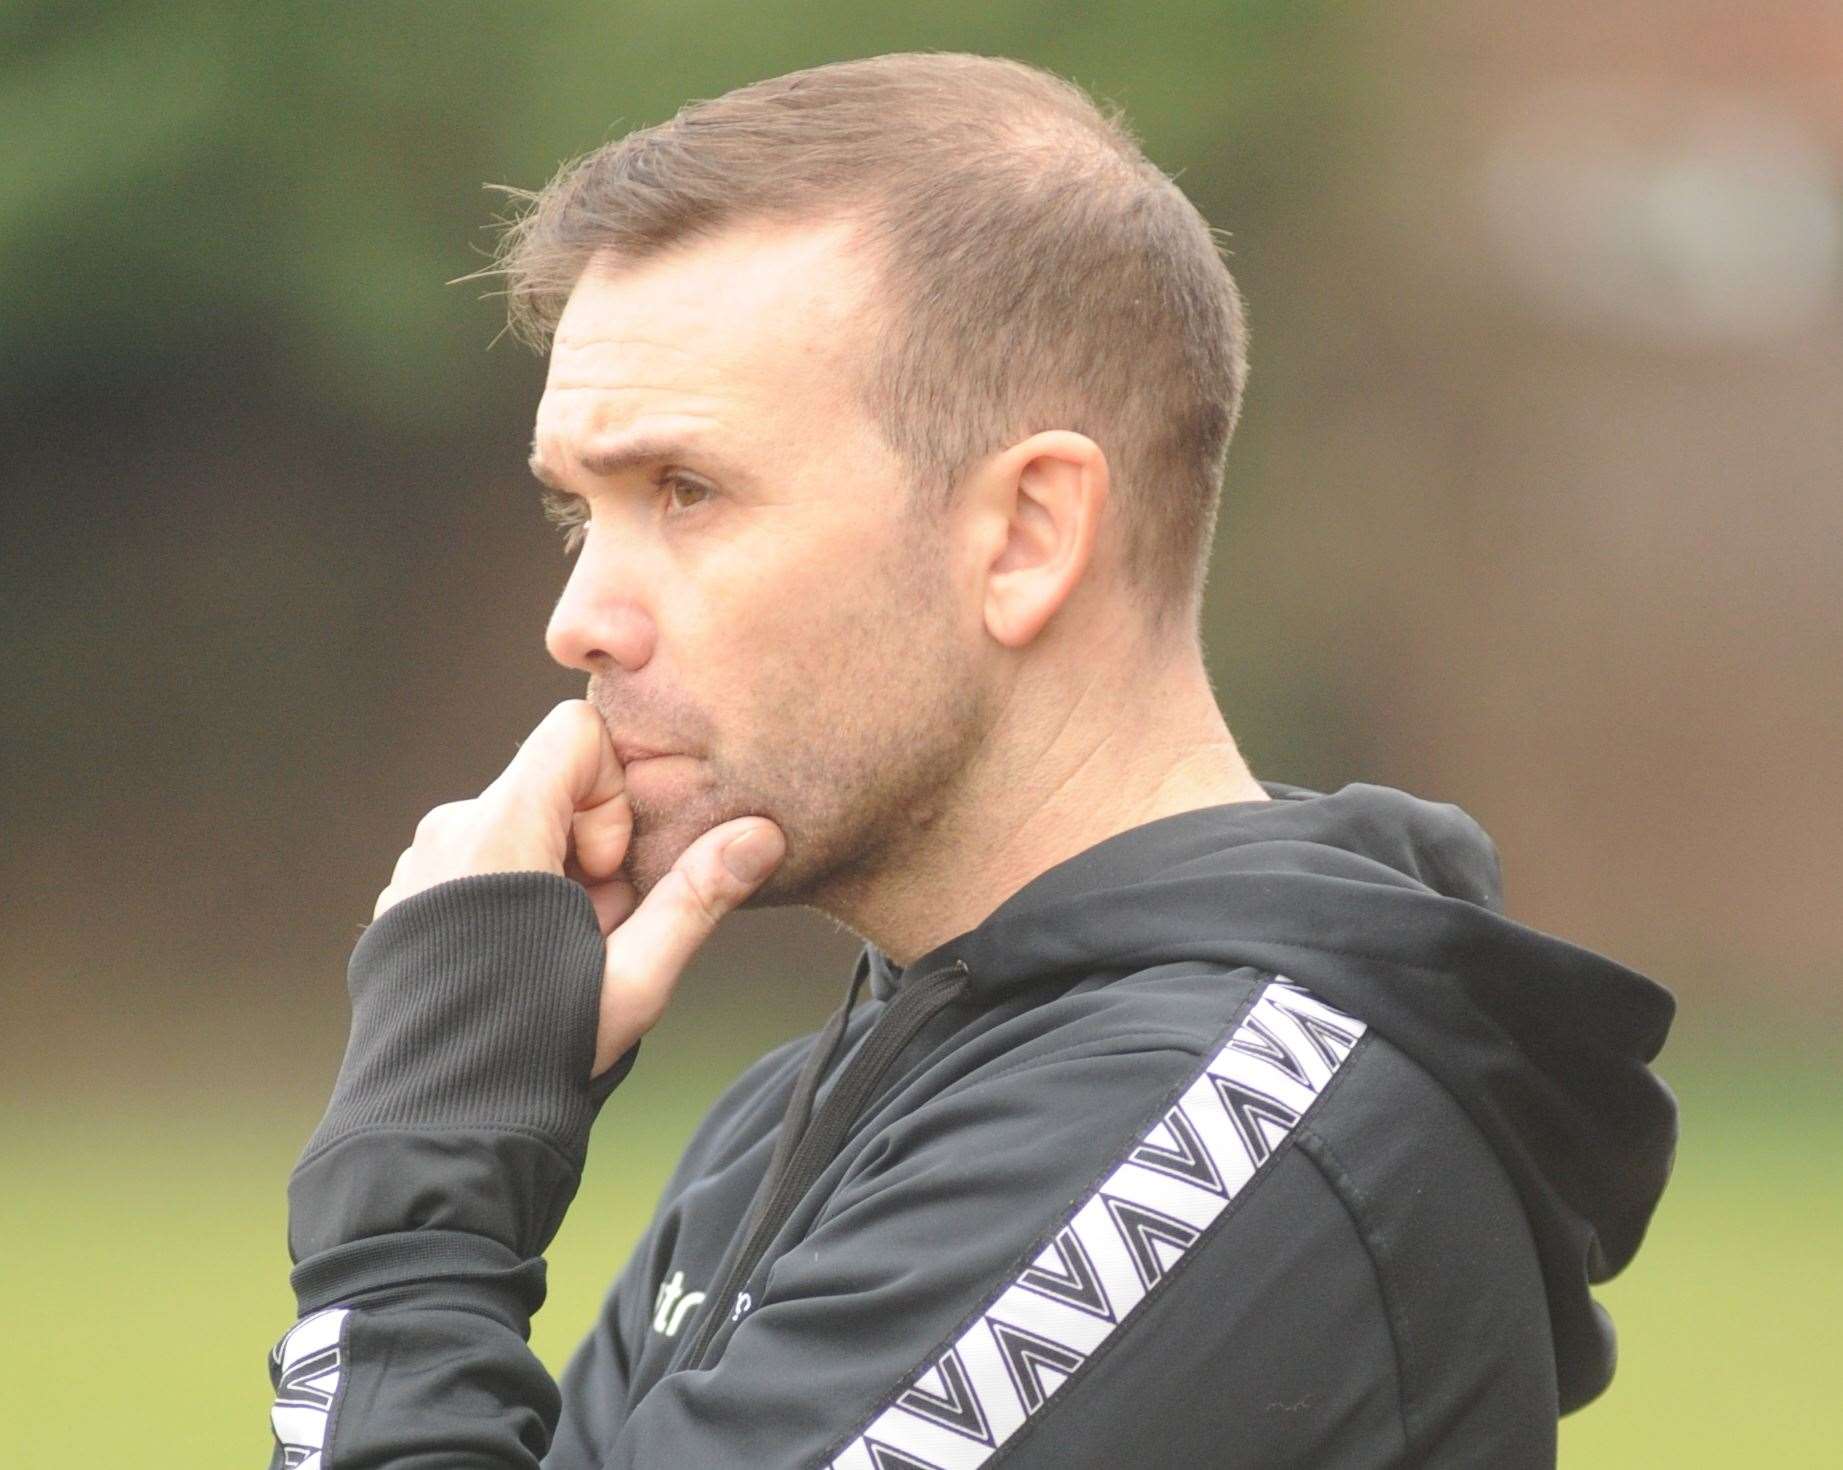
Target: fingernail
752,856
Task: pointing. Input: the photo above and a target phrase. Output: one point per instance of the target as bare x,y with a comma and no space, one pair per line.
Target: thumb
648,952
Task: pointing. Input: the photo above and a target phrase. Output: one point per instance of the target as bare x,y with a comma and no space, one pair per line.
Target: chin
786,887
659,840
653,850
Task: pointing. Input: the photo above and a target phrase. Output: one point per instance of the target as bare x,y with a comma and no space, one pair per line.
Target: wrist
475,1002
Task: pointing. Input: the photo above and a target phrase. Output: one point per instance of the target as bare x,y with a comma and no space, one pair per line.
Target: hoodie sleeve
421,1207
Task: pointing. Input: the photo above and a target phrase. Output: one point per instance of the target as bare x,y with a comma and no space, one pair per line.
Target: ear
1041,501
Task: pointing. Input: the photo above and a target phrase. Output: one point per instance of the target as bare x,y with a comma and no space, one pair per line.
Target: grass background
146,1275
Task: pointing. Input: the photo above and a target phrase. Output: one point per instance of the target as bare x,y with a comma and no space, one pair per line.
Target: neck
1047,786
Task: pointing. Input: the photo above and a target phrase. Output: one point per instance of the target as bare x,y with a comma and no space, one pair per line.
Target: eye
570,514
685,493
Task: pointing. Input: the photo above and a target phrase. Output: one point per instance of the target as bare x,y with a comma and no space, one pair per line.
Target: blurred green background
1534,508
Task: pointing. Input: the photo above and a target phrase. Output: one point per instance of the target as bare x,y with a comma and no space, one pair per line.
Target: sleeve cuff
475,1004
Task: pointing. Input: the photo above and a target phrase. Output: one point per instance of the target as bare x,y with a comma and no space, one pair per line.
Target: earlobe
1050,490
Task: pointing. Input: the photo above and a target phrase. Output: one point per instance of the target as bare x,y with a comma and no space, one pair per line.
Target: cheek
757,642
808,652
793,625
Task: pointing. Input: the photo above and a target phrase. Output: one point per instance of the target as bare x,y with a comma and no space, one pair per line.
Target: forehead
759,321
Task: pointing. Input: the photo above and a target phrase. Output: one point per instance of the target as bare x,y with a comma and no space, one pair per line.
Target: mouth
628,753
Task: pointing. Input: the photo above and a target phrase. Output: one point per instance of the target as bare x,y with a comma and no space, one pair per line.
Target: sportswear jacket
1255,1136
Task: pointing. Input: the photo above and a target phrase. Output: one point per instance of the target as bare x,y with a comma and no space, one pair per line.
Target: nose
600,620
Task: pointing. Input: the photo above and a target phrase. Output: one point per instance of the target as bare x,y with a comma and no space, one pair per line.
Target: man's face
752,598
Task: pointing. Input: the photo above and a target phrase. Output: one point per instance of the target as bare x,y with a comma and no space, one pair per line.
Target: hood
1390,909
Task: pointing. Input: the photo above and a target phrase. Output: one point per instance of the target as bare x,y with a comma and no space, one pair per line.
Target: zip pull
916,1004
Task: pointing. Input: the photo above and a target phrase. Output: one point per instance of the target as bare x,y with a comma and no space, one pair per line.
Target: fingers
613,900
441,848
651,947
566,779
599,836
560,806
570,751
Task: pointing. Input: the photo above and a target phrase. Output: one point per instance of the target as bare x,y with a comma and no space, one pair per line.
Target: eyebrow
609,460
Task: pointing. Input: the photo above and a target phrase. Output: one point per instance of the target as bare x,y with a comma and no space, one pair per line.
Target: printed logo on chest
674,1304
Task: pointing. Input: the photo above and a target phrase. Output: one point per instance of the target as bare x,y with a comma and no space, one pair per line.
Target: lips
631,752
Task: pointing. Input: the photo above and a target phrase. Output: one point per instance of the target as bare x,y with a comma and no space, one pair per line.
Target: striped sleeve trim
307,1366
1116,1247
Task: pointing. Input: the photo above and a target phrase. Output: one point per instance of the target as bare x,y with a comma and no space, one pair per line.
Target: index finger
568,756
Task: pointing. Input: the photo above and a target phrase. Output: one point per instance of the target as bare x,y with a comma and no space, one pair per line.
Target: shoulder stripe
1117,1246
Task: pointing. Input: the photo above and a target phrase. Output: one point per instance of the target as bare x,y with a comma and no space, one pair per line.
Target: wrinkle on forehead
755,328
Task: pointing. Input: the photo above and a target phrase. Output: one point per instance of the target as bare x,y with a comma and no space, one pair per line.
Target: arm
421,1208
497,998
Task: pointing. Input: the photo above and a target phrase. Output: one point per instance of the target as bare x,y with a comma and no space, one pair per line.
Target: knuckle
704,901
440,820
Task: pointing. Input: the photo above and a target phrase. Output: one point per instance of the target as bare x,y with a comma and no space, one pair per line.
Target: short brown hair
1038,271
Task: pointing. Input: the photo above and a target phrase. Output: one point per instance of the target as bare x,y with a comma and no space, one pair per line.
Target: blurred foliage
268,449
311,175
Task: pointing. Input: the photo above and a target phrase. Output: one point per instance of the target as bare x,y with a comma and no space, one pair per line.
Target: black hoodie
1253,1136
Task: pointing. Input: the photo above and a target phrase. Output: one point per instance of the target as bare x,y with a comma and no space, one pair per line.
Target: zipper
808,1143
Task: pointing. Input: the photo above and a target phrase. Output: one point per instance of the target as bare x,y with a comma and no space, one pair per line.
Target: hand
561,807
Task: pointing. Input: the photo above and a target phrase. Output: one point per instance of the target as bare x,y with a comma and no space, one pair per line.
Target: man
1187,1120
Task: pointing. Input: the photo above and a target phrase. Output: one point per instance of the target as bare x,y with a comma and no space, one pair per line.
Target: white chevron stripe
1165,1193
854,1456
303,1400
1113,1262
1286,1013
985,1368
311,1335
1034,1312
1297,1003
933,1444
1202,1104
1264,1077
1284,1027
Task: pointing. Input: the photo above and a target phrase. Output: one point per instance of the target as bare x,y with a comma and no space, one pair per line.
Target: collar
1145,846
